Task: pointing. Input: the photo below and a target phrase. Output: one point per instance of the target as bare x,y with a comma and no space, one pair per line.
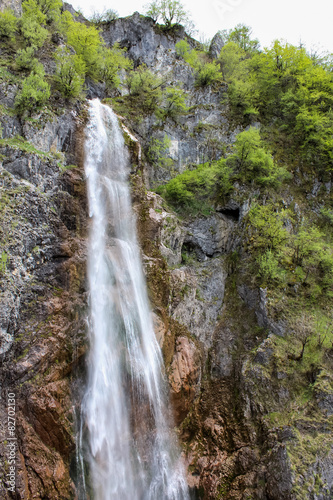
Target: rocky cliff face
229,386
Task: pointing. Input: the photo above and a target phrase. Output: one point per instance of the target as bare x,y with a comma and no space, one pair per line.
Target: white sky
309,21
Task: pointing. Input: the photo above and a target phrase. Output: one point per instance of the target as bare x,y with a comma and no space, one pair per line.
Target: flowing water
132,452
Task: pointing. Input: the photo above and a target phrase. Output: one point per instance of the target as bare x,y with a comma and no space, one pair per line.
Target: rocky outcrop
42,287
14,5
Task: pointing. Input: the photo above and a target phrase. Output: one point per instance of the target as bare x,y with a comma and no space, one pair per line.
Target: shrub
35,92
8,24
173,103
112,62
269,268
146,88
31,22
25,59
207,74
70,73
87,43
253,162
50,8
197,190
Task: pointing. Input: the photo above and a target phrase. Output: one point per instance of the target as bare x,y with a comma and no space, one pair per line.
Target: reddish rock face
184,377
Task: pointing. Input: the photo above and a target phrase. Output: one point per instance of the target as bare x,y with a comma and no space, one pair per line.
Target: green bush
270,270
50,8
86,42
198,190
254,163
207,74
173,104
8,24
112,62
146,88
157,152
34,94
31,22
25,59
70,73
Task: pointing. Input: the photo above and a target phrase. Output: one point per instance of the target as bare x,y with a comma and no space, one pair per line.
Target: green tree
241,35
25,59
199,189
8,24
34,94
267,229
253,162
207,74
111,63
31,22
86,42
173,103
170,11
146,88
50,8
70,73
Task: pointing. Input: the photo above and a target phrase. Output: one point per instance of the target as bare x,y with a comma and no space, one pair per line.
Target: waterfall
133,454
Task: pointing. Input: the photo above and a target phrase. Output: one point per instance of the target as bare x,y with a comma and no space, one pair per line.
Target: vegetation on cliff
271,180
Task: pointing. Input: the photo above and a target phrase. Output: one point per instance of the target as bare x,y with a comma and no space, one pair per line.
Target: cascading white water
133,454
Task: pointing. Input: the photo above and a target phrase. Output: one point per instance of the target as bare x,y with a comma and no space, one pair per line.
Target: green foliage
86,42
253,162
3,262
101,63
267,230
157,152
184,50
31,10
206,73
299,256
241,36
8,24
34,94
112,62
146,88
285,86
197,190
70,73
173,104
31,22
25,59
50,8
170,11
270,270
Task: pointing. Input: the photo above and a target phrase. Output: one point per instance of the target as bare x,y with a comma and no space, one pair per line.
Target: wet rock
52,133
184,377
199,292
210,236
279,475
